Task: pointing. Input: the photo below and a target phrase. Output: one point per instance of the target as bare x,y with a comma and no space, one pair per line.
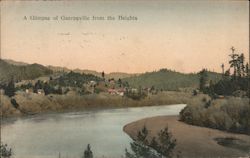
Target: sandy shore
192,141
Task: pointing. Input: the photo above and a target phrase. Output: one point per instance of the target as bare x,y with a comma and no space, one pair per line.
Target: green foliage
98,90
23,72
228,85
195,92
88,153
103,74
231,114
10,89
140,148
38,85
5,151
141,151
161,147
48,88
142,135
203,74
26,86
14,103
135,95
168,80
167,143
73,79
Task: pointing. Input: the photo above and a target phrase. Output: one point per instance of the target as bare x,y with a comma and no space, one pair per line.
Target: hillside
74,79
115,75
13,62
21,72
162,79
168,80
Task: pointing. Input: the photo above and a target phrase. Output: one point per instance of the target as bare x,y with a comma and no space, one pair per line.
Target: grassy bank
34,103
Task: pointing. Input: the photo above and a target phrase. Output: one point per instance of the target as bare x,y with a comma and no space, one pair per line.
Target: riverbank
34,103
192,141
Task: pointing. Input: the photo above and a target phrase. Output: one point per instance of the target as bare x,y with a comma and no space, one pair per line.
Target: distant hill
18,63
163,79
115,75
121,75
58,68
21,71
168,80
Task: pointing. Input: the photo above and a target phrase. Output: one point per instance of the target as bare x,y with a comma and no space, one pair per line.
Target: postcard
124,79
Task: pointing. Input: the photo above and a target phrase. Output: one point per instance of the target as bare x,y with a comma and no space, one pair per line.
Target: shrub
232,114
159,147
5,152
88,153
10,89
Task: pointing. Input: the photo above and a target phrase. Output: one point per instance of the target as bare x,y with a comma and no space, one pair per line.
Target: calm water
44,136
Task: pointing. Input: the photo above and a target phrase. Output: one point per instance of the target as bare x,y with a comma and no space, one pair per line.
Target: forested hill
169,80
163,79
21,72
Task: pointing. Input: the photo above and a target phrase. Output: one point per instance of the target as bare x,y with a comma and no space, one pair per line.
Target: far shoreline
35,104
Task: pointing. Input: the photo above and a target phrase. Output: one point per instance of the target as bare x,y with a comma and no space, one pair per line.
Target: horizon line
134,73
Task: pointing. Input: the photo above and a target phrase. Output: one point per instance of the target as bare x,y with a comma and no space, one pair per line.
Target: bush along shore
231,114
228,105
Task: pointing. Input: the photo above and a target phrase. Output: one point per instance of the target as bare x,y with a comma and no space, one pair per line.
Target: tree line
231,83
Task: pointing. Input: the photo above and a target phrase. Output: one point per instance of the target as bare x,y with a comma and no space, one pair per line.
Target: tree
120,82
88,153
142,135
103,74
227,73
247,69
241,60
5,152
10,88
140,147
154,144
47,89
38,85
203,79
233,62
14,103
167,143
160,147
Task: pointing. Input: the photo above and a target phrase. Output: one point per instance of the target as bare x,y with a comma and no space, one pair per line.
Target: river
47,135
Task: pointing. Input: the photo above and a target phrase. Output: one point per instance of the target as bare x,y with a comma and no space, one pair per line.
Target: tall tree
120,82
247,69
203,79
88,153
103,74
233,62
167,142
140,148
241,61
